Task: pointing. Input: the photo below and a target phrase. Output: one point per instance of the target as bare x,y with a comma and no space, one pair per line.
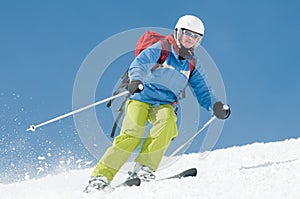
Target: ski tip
188,173
193,171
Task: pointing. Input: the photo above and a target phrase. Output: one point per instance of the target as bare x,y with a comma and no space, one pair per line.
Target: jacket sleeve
201,89
144,62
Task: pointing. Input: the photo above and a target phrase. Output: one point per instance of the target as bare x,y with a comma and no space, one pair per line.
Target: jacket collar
172,41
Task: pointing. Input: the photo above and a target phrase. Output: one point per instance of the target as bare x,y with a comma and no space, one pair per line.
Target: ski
192,172
129,183
187,173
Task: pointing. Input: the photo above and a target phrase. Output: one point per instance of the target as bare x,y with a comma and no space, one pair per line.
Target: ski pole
34,127
192,138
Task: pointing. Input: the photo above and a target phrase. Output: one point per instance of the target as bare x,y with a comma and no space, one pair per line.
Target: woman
153,95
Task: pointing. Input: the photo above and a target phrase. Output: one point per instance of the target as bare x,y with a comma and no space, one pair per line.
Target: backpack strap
163,54
121,111
123,84
192,64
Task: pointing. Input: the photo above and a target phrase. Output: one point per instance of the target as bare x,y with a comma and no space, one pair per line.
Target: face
189,39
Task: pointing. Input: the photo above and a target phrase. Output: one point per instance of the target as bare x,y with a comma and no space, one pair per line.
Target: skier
153,96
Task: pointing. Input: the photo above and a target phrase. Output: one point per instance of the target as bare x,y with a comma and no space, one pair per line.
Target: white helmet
189,22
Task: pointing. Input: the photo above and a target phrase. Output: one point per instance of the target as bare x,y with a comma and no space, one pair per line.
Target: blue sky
43,43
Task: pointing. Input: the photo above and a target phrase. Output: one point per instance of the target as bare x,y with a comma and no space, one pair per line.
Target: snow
259,170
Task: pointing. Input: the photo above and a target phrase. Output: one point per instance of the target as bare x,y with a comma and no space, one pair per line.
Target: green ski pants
163,130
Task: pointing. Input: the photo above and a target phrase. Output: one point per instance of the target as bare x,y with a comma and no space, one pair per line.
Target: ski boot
97,183
144,173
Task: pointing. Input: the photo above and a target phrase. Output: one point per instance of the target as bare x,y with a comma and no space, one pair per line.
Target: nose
191,38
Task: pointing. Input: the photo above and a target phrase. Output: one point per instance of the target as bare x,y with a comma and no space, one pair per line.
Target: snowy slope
260,170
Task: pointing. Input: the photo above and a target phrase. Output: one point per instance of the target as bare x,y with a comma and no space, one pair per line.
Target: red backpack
151,37
145,41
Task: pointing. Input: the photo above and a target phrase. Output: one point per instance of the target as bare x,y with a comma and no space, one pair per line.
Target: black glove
221,111
135,86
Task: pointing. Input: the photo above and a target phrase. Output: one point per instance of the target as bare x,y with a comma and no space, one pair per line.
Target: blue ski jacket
165,84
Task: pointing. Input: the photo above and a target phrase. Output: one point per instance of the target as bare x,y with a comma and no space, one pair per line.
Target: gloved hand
135,86
221,111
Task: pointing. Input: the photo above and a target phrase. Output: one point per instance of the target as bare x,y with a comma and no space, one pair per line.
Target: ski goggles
191,34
